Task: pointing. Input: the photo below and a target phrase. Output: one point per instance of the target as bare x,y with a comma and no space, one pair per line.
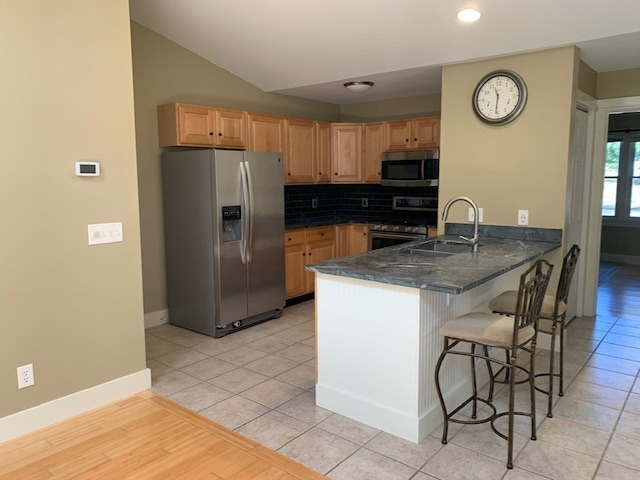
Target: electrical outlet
25,376
100,233
365,202
480,214
523,217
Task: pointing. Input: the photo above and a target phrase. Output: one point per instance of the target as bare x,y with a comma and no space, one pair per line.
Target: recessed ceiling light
469,15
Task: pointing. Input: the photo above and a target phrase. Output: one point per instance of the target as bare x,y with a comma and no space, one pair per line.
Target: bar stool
481,330
552,316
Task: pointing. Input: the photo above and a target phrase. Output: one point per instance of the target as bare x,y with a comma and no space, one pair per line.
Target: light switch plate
100,233
480,214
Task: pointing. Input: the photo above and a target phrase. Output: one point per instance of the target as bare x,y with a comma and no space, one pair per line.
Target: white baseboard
153,319
48,413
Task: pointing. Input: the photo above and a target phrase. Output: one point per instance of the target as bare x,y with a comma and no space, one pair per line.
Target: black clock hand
497,100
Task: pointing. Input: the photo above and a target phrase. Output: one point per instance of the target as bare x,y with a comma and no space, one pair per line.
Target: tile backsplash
317,203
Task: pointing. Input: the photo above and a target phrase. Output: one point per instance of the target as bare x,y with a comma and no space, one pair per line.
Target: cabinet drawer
323,233
294,237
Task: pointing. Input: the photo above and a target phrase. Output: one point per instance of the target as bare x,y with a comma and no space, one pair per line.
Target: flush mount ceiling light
469,15
358,87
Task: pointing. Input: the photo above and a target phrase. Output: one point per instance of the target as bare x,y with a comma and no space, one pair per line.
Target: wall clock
499,97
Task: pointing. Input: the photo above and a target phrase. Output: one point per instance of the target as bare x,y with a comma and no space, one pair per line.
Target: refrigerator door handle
245,217
250,212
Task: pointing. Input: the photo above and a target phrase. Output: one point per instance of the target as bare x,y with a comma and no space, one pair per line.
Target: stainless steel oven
383,235
410,221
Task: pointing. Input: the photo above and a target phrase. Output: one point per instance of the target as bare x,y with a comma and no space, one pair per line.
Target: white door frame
591,251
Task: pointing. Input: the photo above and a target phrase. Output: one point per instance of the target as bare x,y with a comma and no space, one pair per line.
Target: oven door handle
398,236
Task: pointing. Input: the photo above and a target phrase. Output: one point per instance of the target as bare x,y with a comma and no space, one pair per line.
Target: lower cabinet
302,248
352,238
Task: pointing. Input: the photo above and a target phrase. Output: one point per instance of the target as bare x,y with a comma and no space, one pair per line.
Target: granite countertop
449,274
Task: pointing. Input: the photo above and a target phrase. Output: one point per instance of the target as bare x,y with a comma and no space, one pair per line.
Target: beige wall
618,84
164,72
587,80
522,165
409,107
72,309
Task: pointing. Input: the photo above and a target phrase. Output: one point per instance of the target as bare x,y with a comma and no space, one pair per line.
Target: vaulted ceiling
309,48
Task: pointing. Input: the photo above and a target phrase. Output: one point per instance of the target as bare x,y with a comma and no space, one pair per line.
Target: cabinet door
397,135
196,125
300,158
342,240
323,153
346,139
358,238
373,148
317,252
231,128
294,261
426,133
266,133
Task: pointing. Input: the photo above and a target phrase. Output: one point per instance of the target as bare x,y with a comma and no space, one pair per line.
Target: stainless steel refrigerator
224,238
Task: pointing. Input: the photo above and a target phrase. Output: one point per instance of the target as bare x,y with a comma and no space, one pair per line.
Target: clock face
499,97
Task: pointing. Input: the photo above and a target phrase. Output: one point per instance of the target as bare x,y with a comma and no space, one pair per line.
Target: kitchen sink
437,248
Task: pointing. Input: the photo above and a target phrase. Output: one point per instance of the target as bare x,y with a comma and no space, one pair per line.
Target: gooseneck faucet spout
472,241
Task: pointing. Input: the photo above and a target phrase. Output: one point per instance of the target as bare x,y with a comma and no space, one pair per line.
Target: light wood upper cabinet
346,158
300,156
181,124
374,144
416,133
426,132
323,152
266,133
231,128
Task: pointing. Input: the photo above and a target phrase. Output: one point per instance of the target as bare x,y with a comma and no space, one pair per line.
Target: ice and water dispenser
231,223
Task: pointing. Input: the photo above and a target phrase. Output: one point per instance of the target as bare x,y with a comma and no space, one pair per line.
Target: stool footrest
474,421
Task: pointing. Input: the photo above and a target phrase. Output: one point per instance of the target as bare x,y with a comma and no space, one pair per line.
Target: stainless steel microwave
411,168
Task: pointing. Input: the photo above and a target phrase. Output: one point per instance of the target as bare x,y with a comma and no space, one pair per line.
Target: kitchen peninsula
378,316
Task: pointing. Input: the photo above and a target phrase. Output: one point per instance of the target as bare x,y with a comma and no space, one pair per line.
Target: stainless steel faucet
472,241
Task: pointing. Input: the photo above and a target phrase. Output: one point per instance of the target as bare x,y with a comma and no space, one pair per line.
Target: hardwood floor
143,437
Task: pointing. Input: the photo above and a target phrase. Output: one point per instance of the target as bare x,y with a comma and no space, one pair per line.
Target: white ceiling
309,48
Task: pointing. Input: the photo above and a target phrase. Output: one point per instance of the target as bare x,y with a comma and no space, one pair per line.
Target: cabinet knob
406,140
322,234
289,173
319,173
210,133
220,134
289,239
336,173
415,139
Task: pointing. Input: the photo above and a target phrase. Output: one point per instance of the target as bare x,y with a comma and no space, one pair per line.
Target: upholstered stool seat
506,303
482,331
487,329
552,317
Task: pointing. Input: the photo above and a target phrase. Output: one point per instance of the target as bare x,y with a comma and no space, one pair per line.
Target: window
621,193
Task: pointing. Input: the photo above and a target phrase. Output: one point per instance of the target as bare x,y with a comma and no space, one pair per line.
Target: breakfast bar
378,316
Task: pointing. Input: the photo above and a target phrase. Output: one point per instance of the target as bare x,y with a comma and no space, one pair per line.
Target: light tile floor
260,383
